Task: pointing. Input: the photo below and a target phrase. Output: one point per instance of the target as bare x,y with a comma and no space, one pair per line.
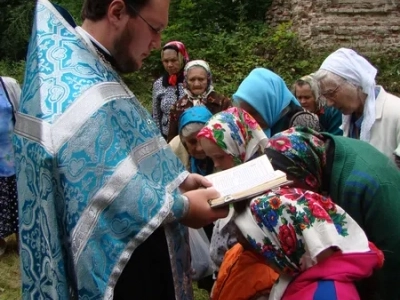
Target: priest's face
140,35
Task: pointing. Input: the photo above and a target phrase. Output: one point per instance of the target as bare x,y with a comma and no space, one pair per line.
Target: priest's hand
193,182
200,213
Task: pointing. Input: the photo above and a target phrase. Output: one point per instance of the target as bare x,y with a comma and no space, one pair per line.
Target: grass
9,272
200,294
10,275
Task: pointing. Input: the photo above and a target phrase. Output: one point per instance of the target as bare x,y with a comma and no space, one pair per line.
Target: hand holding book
245,181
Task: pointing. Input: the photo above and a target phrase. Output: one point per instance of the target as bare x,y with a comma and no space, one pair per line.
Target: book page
246,176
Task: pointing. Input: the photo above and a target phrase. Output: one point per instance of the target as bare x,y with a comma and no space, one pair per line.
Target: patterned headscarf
300,152
267,93
291,227
183,58
199,99
235,132
353,67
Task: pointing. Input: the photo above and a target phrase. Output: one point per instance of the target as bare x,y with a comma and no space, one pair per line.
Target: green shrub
13,69
232,55
388,66
231,35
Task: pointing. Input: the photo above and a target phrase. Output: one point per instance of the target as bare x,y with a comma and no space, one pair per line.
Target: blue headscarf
267,93
195,114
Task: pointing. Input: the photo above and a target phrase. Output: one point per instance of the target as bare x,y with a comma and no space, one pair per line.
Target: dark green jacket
331,120
366,184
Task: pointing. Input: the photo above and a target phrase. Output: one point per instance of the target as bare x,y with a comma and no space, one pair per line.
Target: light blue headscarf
195,114
267,93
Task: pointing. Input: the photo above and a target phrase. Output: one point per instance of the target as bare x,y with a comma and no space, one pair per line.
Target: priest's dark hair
95,10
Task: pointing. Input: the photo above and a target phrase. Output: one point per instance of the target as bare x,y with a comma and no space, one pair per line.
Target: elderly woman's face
221,159
171,62
342,95
193,146
306,97
197,80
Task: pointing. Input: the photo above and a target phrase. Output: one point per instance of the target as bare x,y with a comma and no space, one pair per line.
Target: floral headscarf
300,152
236,132
183,58
290,227
199,99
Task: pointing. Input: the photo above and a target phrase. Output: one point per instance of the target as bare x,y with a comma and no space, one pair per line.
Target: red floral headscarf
236,132
183,58
301,153
291,227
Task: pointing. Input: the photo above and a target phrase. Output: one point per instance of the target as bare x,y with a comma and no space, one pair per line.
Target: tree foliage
15,20
230,34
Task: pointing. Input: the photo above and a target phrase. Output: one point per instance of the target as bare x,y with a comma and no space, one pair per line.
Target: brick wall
367,25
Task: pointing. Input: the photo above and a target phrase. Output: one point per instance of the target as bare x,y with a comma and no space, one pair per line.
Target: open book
245,181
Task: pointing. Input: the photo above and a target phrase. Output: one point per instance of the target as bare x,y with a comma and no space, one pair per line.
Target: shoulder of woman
8,81
13,89
227,102
11,84
331,111
158,82
183,101
217,98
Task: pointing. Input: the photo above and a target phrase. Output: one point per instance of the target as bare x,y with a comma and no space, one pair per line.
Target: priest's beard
126,62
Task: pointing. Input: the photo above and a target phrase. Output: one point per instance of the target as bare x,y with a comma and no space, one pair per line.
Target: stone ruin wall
364,25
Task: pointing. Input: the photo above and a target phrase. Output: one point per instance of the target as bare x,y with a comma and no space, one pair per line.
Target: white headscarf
347,64
198,99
